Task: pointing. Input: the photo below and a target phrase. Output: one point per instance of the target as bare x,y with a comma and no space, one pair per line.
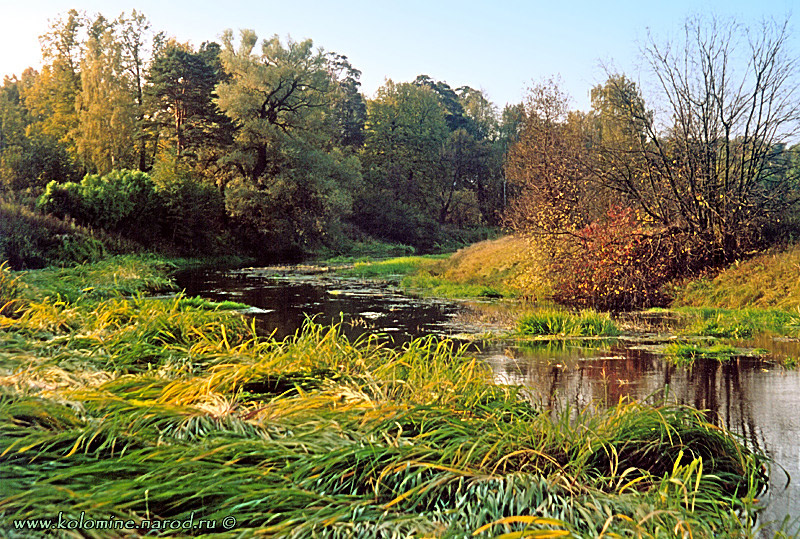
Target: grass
559,323
149,409
738,323
388,269
686,353
767,281
509,267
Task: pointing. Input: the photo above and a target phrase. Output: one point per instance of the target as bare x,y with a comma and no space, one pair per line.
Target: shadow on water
755,397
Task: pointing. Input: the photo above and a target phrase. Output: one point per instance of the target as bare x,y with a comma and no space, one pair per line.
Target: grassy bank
768,281
122,408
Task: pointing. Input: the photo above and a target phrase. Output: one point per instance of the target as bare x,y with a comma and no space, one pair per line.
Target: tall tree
107,102
269,95
133,33
50,96
710,169
181,85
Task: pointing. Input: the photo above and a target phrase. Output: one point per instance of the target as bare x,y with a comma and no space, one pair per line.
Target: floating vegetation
144,409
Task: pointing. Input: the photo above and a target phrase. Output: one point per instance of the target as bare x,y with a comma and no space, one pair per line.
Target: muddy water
755,397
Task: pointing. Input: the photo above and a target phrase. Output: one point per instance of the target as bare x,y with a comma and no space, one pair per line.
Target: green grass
552,322
149,409
389,269
424,284
738,323
118,275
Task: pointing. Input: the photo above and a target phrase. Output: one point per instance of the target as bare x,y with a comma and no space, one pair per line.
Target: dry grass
508,266
767,281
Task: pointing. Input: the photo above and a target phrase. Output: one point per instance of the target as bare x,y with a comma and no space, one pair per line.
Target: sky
499,46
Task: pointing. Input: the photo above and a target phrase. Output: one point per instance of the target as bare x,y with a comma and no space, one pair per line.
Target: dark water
756,398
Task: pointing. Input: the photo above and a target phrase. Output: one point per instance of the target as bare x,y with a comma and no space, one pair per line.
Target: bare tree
715,169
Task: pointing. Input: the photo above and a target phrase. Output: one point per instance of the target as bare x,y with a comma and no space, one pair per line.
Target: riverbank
122,407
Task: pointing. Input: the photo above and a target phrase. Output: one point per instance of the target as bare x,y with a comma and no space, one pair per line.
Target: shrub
616,264
122,201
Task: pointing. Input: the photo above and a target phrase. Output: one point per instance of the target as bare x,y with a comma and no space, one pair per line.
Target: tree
181,86
294,185
133,31
349,108
269,95
50,96
405,133
546,167
711,170
107,111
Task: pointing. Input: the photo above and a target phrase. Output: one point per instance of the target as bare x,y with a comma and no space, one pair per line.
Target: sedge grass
147,409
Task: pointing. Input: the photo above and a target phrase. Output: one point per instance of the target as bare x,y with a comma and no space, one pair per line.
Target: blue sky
500,46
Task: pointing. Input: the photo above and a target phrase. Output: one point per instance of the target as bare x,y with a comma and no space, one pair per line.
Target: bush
617,264
122,201
193,210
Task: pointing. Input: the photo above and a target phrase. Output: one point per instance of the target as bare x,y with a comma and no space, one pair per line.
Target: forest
270,149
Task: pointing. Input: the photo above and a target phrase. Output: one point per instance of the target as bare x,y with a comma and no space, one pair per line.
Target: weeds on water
148,409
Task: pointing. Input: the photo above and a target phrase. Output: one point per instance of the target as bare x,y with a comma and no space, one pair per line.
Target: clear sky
500,46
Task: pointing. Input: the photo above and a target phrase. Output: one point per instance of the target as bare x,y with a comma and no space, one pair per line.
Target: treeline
269,146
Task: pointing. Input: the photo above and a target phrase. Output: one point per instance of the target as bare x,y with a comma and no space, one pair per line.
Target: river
757,398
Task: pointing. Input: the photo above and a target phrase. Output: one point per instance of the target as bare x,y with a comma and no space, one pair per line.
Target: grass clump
550,322
150,409
687,353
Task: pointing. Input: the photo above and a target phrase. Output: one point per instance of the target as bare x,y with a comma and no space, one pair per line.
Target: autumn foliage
617,263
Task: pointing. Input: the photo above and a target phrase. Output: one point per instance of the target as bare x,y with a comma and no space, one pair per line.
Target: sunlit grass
766,281
393,268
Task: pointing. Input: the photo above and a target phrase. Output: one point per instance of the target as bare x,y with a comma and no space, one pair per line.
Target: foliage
616,264
193,210
122,201
31,240
152,409
562,323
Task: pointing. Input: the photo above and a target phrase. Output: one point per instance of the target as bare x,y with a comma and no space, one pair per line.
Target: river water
755,397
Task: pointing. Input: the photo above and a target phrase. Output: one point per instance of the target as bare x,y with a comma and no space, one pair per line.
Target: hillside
767,281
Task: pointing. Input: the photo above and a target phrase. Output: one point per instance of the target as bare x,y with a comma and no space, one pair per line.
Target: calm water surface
756,398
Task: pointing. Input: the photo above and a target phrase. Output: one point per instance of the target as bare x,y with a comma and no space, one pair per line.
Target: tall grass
149,409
